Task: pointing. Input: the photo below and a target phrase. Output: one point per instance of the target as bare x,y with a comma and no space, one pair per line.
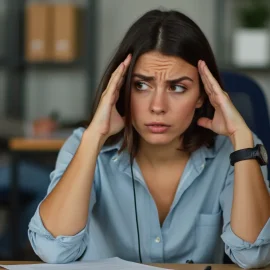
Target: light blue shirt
198,220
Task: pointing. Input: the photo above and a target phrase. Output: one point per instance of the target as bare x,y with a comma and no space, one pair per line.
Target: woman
150,178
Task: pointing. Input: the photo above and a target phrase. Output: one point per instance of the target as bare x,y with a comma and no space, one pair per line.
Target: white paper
112,264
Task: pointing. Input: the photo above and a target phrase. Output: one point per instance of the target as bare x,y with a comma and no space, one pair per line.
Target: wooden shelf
52,64
35,144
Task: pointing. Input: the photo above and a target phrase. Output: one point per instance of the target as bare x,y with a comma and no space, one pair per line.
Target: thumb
205,122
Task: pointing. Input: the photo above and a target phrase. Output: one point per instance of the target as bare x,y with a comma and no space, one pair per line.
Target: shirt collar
110,147
122,159
198,157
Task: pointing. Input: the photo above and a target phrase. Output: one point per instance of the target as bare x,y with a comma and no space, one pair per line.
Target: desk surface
35,144
168,266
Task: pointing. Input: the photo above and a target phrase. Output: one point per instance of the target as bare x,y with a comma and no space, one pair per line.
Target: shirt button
157,240
114,158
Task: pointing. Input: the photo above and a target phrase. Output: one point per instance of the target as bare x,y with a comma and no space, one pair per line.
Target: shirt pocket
208,241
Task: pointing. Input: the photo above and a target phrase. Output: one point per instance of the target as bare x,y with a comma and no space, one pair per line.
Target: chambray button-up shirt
196,228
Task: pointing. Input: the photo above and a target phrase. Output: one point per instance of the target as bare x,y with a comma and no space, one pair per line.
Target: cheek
184,107
183,114
135,107
138,105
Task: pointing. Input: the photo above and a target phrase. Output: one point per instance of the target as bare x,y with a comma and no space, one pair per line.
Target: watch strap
242,154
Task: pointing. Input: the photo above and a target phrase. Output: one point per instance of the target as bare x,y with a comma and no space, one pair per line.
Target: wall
64,90
116,16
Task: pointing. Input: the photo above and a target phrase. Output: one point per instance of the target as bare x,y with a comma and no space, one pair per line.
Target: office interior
54,52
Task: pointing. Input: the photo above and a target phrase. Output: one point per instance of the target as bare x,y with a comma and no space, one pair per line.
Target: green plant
255,14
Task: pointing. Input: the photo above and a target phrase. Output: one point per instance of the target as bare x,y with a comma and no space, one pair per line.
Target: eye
140,86
178,88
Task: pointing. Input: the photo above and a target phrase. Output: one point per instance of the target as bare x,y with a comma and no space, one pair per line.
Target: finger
205,83
226,94
126,63
206,87
116,79
120,83
211,81
205,80
119,80
203,77
114,74
115,97
117,92
105,92
127,60
119,71
205,122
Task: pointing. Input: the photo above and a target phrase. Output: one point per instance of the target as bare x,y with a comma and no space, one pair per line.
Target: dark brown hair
170,33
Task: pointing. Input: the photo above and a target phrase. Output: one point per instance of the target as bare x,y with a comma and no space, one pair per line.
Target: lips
157,124
157,127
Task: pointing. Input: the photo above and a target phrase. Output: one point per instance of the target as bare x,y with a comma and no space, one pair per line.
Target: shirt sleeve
61,249
245,254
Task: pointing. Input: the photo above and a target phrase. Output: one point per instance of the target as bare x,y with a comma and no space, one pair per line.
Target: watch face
263,153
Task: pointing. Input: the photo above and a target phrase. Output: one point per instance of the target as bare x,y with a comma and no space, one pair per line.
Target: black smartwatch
258,152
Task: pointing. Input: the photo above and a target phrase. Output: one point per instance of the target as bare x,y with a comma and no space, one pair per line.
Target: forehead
153,62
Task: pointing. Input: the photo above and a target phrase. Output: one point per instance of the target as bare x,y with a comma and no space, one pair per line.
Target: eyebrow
149,78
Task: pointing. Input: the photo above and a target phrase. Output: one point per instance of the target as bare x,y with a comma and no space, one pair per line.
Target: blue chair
250,101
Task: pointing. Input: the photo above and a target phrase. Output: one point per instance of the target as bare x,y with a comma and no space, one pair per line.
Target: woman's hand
227,120
107,121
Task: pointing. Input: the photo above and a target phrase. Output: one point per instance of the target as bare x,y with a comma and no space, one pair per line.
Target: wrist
94,138
242,139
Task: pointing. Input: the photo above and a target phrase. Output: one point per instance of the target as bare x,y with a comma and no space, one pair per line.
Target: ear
200,102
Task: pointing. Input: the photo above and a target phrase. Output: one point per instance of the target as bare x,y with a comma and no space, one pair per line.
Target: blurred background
52,56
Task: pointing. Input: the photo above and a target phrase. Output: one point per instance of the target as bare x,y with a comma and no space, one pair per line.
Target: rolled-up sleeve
60,249
245,254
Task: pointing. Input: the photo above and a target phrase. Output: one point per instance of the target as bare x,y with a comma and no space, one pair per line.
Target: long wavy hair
173,34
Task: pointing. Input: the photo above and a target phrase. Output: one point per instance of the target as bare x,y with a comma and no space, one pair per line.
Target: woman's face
165,93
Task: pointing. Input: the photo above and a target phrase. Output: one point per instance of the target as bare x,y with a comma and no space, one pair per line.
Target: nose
159,103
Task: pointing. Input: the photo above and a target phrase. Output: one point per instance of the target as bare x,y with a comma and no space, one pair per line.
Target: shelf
52,64
41,65
17,67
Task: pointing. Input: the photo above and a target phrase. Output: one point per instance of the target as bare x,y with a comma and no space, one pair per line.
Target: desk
168,266
35,144
20,147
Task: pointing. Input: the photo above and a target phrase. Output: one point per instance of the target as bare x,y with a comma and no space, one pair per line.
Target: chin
157,139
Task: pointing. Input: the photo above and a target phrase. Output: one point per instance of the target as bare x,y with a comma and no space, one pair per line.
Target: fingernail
126,60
